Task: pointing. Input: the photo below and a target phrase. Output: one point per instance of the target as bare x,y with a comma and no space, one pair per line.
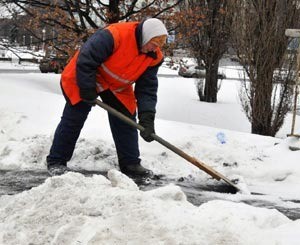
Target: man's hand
88,95
146,119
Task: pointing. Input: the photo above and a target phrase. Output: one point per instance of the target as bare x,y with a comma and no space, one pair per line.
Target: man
107,65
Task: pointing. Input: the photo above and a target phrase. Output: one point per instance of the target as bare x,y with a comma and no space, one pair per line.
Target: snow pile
73,209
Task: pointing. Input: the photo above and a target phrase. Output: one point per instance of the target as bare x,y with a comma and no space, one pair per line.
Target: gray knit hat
152,28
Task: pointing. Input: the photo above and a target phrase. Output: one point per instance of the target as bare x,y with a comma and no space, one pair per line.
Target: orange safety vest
119,71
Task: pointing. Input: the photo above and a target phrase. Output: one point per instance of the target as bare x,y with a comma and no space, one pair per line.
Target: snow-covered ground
73,209
14,65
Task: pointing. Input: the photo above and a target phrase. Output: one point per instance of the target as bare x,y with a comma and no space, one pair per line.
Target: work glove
88,95
146,119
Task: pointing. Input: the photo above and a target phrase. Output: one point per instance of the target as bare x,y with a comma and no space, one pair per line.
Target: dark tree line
71,22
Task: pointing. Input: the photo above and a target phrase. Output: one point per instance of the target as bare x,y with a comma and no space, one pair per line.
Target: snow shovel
216,175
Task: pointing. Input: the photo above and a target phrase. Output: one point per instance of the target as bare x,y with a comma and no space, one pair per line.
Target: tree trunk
114,12
261,107
211,83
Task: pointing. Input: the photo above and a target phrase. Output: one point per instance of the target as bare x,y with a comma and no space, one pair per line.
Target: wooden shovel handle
171,147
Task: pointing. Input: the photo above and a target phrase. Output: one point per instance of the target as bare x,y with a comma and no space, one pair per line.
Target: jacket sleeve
146,90
94,52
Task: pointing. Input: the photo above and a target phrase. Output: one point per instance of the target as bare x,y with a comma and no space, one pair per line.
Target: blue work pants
69,128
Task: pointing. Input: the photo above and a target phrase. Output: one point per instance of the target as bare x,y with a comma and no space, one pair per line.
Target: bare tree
69,22
258,37
205,28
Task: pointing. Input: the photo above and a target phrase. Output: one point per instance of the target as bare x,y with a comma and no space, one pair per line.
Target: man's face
149,47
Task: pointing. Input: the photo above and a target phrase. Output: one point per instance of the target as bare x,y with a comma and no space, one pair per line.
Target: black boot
56,167
136,170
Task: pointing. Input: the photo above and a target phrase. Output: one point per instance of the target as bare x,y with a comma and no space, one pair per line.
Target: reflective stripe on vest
99,86
116,77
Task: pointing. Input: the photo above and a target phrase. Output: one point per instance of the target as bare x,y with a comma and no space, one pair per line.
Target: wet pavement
3,70
13,182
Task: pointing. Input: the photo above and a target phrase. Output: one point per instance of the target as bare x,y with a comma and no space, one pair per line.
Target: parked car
195,72
52,64
53,61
